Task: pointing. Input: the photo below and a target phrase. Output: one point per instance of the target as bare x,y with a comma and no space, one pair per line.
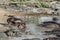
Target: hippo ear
54,19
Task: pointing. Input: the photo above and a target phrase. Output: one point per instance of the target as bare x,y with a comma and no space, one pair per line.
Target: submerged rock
32,39
36,39
2,28
26,39
2,35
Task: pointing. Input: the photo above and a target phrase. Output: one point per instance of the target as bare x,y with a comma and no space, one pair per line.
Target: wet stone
35,39
2,35
32,39
26,39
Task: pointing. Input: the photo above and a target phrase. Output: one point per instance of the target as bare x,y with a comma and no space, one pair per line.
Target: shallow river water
37,32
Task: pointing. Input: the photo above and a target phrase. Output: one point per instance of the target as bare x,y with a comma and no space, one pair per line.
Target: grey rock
2,35
2,28
32,39
35,39
26,39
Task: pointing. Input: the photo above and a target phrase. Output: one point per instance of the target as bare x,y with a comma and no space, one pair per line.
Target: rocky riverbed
37,33
34,31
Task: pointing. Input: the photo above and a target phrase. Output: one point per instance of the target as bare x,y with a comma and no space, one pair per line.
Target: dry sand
4,13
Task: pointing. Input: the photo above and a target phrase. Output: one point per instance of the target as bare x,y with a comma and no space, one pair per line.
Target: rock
32,39
36,39
2,35
26,39
10,33
50,38
2,28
